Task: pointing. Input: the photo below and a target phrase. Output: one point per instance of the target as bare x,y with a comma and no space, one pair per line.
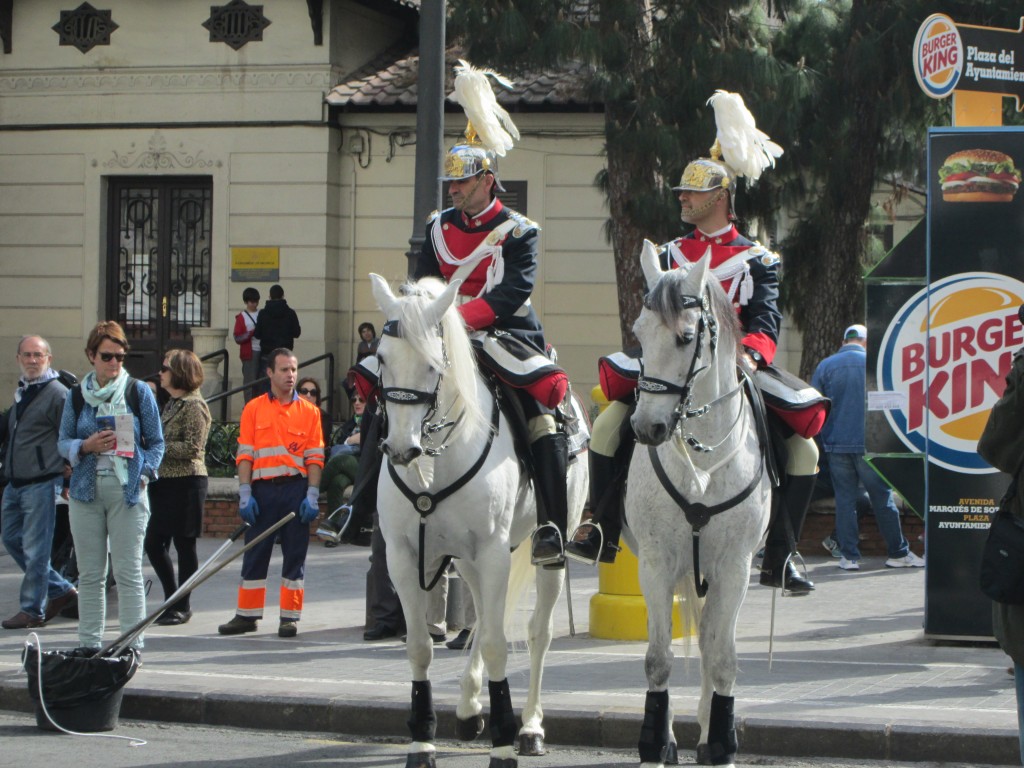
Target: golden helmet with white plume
740,149
489,133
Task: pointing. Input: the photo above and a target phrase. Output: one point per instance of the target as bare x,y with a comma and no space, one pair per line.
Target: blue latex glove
310,506
248,509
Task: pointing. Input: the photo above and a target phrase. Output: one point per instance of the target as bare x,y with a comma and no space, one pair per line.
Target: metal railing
326,401
225,378
222,442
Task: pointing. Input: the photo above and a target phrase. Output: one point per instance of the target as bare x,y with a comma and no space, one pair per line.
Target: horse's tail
522,574
690,609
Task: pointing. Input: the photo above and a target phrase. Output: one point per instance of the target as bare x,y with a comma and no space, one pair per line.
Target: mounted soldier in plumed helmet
493,251
749,274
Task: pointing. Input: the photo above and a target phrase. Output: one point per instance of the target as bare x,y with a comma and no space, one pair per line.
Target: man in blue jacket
842,378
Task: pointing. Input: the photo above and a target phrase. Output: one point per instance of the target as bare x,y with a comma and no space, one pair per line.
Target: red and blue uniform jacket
495,255
749,275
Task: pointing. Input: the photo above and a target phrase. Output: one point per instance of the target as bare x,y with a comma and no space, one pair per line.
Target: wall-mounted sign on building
255,265
980,64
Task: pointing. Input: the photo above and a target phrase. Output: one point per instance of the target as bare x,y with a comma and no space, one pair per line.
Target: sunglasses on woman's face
308,392
106,357
164,369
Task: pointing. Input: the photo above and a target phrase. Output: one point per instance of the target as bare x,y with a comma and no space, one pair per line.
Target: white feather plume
490,120
745,149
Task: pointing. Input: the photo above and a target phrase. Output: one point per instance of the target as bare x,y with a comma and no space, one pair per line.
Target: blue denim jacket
145,461
842,378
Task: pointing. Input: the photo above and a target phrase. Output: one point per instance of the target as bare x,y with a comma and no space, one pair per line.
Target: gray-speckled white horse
698,490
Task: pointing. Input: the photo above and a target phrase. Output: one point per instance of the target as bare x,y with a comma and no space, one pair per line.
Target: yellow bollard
618,610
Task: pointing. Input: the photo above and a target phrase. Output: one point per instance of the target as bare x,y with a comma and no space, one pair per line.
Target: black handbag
1002,559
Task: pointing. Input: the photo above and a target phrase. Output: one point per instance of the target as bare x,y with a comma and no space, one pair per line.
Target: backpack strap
77,400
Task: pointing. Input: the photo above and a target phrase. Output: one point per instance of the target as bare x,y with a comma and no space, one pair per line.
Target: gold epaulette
523,224
762,254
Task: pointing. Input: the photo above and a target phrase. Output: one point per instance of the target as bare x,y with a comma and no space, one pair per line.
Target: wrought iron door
159,263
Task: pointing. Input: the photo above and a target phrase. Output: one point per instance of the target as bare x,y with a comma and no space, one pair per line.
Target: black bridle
697,513
706,325
403,396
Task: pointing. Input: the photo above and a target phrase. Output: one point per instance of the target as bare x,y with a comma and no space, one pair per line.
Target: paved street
852,677
187,746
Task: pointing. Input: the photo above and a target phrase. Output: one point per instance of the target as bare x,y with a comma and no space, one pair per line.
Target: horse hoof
420,760
531,745
470,728
671,755
503,762
703,758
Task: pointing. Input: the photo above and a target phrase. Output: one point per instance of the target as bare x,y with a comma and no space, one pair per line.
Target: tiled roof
389,81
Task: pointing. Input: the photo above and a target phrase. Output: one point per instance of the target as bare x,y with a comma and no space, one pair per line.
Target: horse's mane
666,300
459,380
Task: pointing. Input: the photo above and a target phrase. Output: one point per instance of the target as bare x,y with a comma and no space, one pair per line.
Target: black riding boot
777,569
550,460
600,535
356,527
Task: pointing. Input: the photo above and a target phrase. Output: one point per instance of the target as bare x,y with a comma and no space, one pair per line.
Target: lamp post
429,122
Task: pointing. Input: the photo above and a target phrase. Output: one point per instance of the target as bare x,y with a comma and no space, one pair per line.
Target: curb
612,728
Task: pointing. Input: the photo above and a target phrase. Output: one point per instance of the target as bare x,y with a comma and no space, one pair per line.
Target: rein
425,503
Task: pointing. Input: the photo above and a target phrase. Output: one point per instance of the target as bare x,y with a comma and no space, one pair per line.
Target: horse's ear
433,314
382,293
701,270
650,264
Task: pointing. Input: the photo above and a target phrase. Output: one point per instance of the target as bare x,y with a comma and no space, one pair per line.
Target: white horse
453,487
698,490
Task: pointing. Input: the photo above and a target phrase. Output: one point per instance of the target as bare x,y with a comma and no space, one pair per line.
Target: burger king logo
952,377
938,56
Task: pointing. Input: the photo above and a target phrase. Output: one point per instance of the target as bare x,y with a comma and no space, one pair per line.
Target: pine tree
832,82
863,125
655,64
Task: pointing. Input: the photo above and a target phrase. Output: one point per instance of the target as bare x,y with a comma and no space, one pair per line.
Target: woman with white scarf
110,472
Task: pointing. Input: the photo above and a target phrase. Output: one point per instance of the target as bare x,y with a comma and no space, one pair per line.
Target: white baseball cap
855,331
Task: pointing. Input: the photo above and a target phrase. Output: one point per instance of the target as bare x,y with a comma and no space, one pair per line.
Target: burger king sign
938,56
948,350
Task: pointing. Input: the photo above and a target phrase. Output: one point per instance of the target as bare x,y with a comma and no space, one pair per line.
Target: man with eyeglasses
32,465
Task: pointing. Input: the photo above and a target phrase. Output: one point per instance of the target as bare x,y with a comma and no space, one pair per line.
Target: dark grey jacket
31,454
1002,446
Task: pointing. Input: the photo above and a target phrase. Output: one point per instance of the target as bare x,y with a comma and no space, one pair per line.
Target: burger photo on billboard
979,176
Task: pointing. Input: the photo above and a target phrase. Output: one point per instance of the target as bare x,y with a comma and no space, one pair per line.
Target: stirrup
550,559
334,525
802,572
331,527
570,551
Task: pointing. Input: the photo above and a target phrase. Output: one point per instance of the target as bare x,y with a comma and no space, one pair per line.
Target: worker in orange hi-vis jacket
280,459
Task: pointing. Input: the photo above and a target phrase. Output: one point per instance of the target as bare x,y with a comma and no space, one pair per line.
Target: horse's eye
685,338
647,301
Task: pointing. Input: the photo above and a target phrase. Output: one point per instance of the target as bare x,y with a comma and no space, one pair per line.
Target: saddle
796,404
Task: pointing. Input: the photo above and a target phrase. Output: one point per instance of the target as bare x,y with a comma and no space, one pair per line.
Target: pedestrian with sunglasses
309,390
111,469
179,496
